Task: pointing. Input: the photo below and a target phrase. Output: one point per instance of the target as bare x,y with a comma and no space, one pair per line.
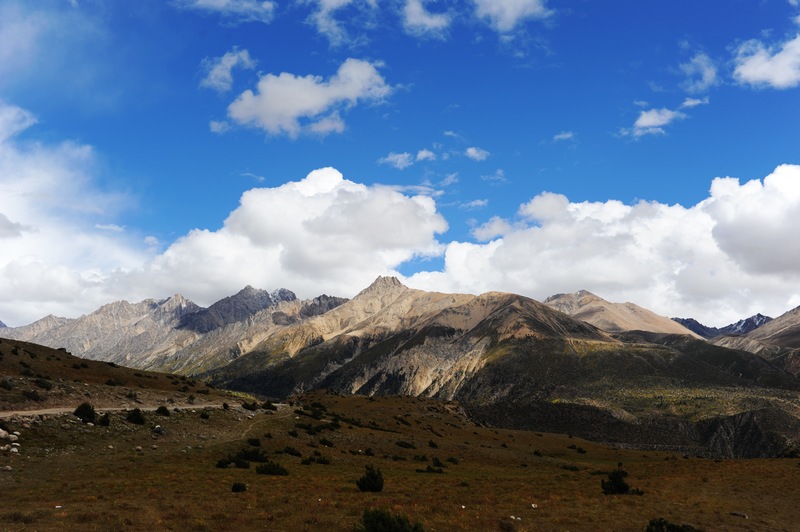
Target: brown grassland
124,476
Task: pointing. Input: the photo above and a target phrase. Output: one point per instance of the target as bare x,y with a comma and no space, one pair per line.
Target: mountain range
741,327
573,364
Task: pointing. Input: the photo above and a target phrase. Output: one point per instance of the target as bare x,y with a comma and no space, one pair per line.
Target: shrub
85,412
405,444
291,451
662,525
379,520
33,395
204,415
250,406
6,384
372,480
255,442
432,444
43,384
326,442
272,468
135,416
105,420
162,411
223,463
616,485
238,487
251,455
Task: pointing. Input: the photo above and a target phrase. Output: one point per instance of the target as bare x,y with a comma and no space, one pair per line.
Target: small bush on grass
291,451
33,395
251,455
105,420
85,412
379,520
162,411
204,415
405,444
272,468
326,442
135,416
616,485
255,442
372,480
44,384
224,463
238,487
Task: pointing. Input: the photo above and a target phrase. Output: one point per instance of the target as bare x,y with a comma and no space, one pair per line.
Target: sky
644,151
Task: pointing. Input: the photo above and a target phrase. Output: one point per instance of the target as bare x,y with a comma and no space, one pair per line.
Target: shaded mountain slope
740,327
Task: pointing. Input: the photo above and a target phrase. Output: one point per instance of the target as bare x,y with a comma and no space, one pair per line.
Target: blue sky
645,151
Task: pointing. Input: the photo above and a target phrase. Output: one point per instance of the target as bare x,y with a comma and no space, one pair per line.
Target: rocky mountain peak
2,325
384,284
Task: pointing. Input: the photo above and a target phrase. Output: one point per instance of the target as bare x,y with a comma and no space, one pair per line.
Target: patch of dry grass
93,478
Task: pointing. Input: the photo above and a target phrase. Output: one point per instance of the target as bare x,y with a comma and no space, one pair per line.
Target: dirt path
68,410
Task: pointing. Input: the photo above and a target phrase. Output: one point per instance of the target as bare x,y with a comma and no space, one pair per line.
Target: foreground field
68,475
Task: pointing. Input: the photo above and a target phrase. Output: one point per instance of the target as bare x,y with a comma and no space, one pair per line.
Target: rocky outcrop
232,309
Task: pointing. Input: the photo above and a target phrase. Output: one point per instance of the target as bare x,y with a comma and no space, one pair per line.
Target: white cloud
496,226
398,160
219,71
474,204
218,126
426,155
325,21
728,257
688,103
499,176
476,154
291,105
761,65
700,72
419,21
505,15
653,121
564,135
236,11
320,234
53,259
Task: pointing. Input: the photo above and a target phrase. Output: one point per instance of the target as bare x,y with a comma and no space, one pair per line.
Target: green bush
238,487
105,420
379,520
372,480
272,468
616,485
85,412
135,416
162,411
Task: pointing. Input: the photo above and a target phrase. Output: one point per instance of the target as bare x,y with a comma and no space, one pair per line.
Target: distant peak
2,325
384,284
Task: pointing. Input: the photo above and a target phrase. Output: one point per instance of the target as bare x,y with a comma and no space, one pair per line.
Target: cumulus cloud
219,70
505,15
700,72
322,233
52,258
290,104
476,154
398,160
725,258
420,22
761,65
235,11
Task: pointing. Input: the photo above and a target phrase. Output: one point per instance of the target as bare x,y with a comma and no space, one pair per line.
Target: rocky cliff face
232,309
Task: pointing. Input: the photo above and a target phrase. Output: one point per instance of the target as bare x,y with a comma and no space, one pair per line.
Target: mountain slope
740,327
234,308
613,317
515,362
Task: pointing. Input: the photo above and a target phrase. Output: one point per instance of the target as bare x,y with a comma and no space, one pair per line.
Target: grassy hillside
439,469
